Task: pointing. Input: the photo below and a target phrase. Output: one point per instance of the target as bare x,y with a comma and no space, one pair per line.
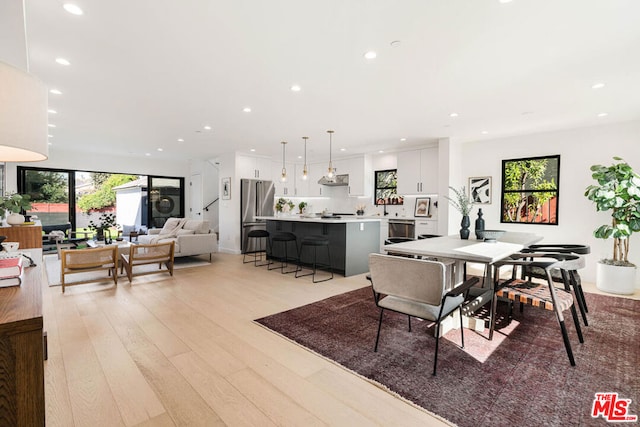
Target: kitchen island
351,239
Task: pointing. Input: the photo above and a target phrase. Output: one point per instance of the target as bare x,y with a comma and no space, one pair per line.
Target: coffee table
123,246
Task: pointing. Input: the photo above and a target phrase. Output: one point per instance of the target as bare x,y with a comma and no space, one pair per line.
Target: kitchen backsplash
338,201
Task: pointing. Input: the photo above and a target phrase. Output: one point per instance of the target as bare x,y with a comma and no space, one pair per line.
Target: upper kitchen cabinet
254,167
316,171
418,171
287,188
360,173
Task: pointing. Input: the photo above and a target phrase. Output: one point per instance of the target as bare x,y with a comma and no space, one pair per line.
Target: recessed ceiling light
147,154
370,55
453,115
597,86
343,149
73,9
603,114
403,139
505,1
50,136
180,140
50,111
396,43
49,143
55,92
296,88
63,61
252,150
207,127
246,109
381,151
299,157
160,149
484,132
51,125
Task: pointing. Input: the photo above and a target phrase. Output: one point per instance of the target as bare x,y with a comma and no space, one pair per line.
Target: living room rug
521,377
52,268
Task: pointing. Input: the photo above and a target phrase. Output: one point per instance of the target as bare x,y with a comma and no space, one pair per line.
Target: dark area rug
520,378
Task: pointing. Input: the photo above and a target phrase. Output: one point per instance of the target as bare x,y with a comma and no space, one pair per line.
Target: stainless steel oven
402,227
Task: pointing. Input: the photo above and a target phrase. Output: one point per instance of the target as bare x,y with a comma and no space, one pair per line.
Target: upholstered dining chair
543,294
419,288
574,278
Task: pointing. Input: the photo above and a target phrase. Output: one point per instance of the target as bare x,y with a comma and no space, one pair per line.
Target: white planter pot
615,279
15,219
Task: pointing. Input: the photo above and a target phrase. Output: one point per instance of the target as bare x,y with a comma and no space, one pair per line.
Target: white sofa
191,236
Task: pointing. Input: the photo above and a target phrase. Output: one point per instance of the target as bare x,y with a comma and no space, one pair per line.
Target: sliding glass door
49,191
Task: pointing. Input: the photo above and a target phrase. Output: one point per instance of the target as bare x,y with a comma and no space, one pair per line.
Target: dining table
463,251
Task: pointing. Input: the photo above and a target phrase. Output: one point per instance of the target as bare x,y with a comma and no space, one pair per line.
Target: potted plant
301,207
104,222
16,204
284,205
618,191
462,203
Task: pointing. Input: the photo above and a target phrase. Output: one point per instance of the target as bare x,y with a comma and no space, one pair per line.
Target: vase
360,212
479,224
15,219
464,230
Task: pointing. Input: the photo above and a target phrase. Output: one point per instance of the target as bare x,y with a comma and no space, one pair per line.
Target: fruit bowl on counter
490,236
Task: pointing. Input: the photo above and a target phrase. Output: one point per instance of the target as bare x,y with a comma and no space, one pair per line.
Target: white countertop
342,220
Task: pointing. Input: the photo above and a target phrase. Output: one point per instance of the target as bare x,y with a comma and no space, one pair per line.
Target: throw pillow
184,232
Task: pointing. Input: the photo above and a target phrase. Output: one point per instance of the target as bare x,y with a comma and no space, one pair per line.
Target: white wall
229,210
578,150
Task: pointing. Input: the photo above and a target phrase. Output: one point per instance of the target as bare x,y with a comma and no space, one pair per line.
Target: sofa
191,236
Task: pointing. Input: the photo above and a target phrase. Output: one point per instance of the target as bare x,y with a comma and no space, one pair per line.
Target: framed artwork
480,189
386,188
423,206
530,190
226,188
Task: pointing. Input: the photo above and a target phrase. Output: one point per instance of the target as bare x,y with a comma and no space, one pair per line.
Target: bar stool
314,242
260,239
573,277
284,239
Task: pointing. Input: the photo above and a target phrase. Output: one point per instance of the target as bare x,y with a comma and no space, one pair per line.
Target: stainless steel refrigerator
256,199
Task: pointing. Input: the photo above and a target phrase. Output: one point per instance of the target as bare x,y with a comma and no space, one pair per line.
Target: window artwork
386,188
530,190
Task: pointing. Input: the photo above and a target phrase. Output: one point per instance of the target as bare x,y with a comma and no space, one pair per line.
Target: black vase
479,224
464,230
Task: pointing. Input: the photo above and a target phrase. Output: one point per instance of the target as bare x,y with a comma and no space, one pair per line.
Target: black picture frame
530,190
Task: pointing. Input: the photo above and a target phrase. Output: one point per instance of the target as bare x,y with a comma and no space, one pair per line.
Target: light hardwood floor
184,351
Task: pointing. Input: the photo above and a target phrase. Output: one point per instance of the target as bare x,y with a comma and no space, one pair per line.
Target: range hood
337,181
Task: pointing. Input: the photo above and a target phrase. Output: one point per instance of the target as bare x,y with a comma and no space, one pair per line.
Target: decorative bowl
490,235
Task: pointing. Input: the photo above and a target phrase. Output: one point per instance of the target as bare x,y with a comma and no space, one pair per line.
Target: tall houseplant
462,203
618,191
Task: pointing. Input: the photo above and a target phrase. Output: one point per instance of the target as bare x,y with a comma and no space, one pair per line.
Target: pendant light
283,176
330,170
304,170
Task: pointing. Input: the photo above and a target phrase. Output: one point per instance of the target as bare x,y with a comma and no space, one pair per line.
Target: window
386,190
530,190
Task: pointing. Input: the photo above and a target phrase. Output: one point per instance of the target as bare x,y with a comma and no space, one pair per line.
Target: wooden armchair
155,253
75,261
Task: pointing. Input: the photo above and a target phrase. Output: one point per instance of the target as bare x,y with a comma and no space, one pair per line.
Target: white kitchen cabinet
360,174
253,167
286,188
418,171
426,226
316,171
302,185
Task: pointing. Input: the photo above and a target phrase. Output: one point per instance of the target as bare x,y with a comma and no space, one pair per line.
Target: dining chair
543,294
415,287
574,278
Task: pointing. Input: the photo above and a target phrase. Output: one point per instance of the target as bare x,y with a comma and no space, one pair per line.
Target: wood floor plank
232,407
133,395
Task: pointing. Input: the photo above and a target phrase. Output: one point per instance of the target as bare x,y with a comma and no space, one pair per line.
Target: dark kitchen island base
350,241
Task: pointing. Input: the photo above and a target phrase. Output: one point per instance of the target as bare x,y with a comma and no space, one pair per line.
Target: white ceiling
144,73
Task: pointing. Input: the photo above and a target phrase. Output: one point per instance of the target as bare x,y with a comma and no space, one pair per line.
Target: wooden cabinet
253,167
418,172
22,351
29,236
